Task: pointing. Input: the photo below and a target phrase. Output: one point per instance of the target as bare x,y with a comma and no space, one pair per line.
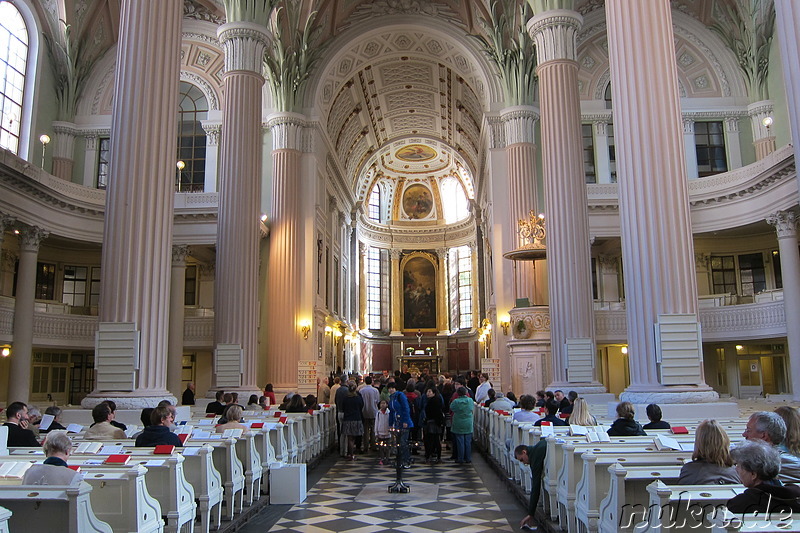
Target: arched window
455,206
460,271
193,107
13,65
374,206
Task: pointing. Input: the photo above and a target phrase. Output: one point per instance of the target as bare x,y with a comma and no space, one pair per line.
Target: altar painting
419,294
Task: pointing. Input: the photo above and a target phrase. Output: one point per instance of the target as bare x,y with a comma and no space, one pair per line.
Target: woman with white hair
57,447
758,465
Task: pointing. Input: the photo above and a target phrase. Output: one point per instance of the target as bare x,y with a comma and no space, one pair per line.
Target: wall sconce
45,140
305,328
5,350
767,122
505,322
624,350
328,330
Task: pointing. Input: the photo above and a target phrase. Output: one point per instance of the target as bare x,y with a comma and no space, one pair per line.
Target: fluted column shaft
19,386
787,26
139,199
63,157
785,223
519,125
240,161
285,253
657,247
568,256
395,277
177,312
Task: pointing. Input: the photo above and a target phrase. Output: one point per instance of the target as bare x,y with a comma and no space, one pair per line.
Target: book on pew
276,414
131,430
663,442
187,429
11,473
547,429
578,430
236,433
165,449
257,425
283,419
76,468
118,459
200,434
183,437
44,424
679,430
110,449
597,434
74,428
89,447
210,415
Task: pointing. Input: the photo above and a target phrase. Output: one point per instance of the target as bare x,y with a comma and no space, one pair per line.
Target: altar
419,359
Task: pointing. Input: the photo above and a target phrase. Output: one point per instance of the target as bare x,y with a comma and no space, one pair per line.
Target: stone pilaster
690,148
785,223
732,142
285,253
240,162
213,134
64,151
441,296
177,308
568,257
657,246
763,136
139,200
520,123
395,279
19,386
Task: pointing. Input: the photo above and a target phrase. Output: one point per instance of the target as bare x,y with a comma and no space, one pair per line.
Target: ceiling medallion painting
415,153
417,202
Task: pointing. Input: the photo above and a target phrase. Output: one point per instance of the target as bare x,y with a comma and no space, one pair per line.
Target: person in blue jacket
401,422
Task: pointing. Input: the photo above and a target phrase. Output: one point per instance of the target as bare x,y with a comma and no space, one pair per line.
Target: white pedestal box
287,484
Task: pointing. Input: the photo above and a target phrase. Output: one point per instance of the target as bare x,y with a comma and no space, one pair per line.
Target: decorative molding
496,132
702,261
555,34
288,131
785,223
213,132
201,83
530,323
179,253
520,124
608,264
30,237
191,10
244,44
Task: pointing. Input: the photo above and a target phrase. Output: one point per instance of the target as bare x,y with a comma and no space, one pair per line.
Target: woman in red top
270,394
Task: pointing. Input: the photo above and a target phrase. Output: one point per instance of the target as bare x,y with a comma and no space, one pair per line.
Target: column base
129,400
396,334
663,395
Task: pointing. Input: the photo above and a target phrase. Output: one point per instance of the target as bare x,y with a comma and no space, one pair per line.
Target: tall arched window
374,206
13,65
456,207
191,139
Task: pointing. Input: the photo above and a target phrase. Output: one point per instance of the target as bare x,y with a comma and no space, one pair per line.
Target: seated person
501,403
552,409
526,414
17,423
216,406
173,410
580,414
296,404
263,403
711,460
625,425
654,414
57,447
55,425
234,418
758,465
567,409
492,397
102,428
34,419
114,422
540,398
252,403
158,431
311,403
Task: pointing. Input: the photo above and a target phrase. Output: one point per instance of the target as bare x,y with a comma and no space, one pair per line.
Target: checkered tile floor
354,497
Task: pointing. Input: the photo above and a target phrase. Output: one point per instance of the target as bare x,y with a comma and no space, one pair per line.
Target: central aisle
352,496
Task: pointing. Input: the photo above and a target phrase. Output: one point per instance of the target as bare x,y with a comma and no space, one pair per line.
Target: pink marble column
19,382
519,123
568,256
787,28
177,313
785,223
285,252
240,162
656,233
139,200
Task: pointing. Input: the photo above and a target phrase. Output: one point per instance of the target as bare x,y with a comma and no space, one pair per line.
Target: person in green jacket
532,456
462,408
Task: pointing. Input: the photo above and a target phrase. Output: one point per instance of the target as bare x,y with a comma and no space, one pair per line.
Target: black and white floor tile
353,496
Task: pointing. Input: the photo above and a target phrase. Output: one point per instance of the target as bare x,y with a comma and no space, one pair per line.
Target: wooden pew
52,508
5,516
207,483
121,499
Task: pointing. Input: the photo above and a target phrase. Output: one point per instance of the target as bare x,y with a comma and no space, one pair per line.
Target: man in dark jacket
17,424
216,406
533,456
188,395
158,432
552,409
625,425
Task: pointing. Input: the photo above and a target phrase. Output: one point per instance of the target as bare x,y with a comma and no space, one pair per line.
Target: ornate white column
733,143
763,137
395,280
362,286
139,200
213,133
690,148
19,386
64,151
787,28
285,251
520,123
785,223
177,310
568,259
657,246
240,168
90,159
602,159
